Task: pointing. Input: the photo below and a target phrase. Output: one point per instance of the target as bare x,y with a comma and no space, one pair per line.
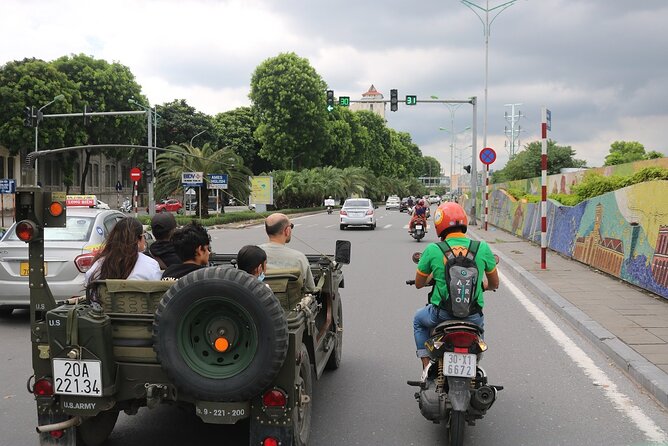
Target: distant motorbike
419,229
454,388
329,209
126,206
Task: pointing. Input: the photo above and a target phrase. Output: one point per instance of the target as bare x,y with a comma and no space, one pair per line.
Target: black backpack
461,278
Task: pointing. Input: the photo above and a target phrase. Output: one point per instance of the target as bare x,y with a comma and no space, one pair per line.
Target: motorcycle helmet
449,215
421,202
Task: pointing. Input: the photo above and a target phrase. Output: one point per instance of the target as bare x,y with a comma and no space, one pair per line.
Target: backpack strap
447,253
473,249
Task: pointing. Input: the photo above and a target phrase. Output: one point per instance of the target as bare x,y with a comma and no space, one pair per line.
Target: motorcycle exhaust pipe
483,398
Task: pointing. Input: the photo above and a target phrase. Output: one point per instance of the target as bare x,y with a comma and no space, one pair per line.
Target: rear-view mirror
342,254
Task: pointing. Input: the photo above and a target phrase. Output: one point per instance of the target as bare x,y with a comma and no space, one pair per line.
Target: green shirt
433,262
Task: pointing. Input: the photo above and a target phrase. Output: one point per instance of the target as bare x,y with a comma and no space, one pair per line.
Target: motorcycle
126,206
419,229
329,210
453,387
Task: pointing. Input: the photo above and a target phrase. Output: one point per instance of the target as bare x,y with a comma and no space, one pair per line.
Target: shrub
565,199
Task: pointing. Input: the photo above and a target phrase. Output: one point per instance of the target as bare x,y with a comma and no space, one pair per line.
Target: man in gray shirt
279,256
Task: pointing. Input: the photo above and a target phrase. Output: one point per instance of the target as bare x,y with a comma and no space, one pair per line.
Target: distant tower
513,133
371,95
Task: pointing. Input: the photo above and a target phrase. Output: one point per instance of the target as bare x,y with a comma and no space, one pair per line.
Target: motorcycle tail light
369,212
461,339
270,441
43,387
274,398
342,212
83,262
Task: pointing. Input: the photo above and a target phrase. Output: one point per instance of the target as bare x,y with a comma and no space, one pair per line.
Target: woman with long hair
122,255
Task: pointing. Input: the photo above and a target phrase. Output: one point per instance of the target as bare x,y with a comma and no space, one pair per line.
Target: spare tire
220,334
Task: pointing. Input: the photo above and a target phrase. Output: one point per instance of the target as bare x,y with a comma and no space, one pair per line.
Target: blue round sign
487,155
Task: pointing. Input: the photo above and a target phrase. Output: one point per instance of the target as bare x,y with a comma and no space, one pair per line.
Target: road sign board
262,190
411,100
7,186
344,101
192,179
548,114
135,174
487,155
217,180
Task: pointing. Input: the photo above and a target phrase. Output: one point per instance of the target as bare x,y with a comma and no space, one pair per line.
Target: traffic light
54,210
344,101
29,213
467,168
87,109
330,100
148,174
27,117
394,100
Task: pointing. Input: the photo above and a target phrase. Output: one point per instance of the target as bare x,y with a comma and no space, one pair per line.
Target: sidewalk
628,324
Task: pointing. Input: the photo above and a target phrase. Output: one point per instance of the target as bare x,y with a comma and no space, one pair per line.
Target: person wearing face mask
253,260
192,244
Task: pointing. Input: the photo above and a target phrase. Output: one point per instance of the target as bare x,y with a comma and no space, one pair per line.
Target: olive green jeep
216,341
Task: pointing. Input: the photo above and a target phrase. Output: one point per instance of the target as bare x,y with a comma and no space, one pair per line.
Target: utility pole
513,133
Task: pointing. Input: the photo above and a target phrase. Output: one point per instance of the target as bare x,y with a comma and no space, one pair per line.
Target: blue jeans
428,317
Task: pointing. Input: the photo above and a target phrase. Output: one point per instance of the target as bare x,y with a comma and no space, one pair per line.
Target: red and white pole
486,193
543,184
135,198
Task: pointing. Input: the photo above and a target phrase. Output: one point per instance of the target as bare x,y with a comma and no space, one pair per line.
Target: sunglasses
292,226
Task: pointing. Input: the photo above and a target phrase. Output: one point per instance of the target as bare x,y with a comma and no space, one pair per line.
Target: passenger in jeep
163,225
279,230
122,256
192,244
253,260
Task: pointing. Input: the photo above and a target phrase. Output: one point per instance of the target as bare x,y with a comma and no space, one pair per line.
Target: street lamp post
151,155
453,135
38,118
191,139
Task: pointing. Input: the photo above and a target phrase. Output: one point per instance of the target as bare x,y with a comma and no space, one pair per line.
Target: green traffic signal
411,100
344,101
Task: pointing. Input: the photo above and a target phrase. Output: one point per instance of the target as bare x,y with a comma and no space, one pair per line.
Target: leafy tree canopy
179,123
430,167
526,164
235,130
622,152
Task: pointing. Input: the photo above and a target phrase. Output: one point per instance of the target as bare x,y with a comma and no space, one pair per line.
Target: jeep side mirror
342,254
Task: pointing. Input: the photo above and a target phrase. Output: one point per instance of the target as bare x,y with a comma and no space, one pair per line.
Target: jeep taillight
57,434
270,441
274,398
83,262
342,212
43,387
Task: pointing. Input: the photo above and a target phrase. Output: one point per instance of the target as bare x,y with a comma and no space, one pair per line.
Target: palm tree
207,159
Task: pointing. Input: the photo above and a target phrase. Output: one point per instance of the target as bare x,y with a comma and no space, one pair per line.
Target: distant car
403,206
434,199
171,205
357,211
102,205
68,254
392,203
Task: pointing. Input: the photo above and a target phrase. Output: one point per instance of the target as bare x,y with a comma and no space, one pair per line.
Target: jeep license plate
459,364
222,413
77,377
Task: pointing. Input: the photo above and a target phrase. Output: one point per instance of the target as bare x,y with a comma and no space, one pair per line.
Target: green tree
377,154
430,167
207,159
289,98
622,152
526,164
103,86
180,122
234,129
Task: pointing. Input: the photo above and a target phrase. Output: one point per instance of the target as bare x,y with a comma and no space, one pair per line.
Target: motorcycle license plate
418,227
77,377
459,364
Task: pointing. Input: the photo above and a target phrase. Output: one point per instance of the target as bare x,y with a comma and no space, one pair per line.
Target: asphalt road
559,390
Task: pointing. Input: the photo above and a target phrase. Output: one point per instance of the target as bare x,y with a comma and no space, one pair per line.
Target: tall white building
368,103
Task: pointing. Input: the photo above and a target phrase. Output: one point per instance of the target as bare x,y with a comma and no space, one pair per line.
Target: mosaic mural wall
624,233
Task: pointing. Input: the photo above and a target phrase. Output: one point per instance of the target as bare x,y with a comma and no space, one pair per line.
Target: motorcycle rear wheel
456,429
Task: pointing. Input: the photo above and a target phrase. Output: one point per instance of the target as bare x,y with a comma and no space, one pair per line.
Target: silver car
358,211
68,254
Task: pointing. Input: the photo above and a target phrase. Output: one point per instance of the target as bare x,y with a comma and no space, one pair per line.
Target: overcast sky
600,66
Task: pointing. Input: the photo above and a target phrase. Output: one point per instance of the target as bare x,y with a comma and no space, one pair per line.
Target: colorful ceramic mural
623,233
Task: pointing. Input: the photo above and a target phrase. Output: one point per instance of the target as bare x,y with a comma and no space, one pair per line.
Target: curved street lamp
191,139
37,120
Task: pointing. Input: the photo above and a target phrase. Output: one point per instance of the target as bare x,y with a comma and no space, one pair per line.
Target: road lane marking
621,402
330,226
387,226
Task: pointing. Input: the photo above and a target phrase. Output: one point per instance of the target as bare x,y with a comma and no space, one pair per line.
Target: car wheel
163,210
94,431
373,226
301,419
220,316
334,360
342,227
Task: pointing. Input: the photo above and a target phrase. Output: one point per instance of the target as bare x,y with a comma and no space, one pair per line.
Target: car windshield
356,203
78,229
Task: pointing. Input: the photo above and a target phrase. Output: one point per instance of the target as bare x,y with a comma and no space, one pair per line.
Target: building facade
369,102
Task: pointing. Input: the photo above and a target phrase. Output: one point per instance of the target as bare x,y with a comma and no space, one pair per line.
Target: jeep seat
287,285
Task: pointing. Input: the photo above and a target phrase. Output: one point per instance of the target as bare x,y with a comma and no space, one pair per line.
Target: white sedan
392,203
358,212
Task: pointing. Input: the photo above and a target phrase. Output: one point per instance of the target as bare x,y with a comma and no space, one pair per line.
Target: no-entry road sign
135,174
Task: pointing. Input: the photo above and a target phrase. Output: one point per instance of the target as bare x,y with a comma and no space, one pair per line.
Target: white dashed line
330,226
387,226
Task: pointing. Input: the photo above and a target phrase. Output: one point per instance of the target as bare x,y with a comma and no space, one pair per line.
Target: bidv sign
192,179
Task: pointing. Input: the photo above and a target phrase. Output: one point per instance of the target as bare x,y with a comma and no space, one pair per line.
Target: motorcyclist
451,223
419,213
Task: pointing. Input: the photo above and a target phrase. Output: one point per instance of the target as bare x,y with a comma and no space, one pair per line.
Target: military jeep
216,341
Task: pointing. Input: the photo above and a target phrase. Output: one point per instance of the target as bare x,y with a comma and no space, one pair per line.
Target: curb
649,376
